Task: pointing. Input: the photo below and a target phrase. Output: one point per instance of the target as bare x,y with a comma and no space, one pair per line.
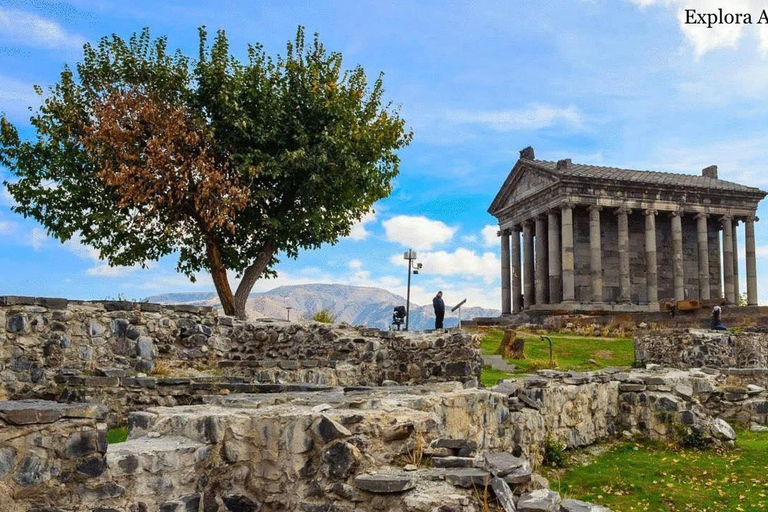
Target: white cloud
470,239
358,231
6,199
490,238
29,29
533,117
355,264
461,262
417,232
105,270
15,99
36,238
704,39
76,246
761,251
7,227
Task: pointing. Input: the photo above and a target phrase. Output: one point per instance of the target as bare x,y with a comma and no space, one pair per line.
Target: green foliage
117,434
325,316
554,454
652,476
743,299
316,144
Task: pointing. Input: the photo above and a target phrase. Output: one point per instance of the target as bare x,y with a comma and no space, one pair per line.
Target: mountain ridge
356,305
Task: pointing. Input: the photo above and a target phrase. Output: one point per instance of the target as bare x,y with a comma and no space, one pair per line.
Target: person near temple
439,306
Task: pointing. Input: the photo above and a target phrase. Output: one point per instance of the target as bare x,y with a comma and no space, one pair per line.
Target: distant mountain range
356,305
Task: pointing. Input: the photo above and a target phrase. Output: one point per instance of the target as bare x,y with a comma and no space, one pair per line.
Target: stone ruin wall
697,348
294,417
135,355
308,449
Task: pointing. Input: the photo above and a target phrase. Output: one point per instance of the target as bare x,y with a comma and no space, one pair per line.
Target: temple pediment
525,182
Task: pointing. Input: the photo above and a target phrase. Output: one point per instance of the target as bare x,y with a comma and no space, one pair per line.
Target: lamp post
410,256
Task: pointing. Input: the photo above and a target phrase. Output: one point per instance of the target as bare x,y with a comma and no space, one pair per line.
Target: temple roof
567,171
598,172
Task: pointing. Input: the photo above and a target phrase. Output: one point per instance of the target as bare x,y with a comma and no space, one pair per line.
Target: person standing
439,306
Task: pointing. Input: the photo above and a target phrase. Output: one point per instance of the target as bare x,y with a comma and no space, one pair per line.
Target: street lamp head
409,255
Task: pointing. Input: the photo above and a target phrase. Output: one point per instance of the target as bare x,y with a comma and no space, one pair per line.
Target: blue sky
619,83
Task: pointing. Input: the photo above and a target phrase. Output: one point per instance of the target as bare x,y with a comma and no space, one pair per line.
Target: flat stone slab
453,462
541,500
384,484
502,463
467,477
454,444
570,505
155,454
519,475
27,412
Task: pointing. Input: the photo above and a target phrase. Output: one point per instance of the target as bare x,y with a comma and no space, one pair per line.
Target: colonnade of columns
549,273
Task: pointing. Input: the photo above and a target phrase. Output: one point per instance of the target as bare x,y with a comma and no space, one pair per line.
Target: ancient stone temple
614,239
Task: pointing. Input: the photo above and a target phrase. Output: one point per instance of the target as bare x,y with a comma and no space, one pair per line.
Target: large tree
141,153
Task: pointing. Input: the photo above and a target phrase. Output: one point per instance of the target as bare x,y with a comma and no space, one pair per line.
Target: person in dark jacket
439,306
717,323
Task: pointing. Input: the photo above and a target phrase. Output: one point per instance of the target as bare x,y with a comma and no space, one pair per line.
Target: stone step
155,455
498,363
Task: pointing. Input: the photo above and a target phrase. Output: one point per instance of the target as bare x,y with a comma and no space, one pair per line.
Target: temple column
569,275
703,241
542,272
715,256
555,266
595,256
749,237
506,277
734,235
622,216
728,259
677,255
528,292
517,291
651,272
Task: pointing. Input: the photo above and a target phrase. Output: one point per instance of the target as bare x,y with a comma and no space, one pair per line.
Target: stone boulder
571,505
542,500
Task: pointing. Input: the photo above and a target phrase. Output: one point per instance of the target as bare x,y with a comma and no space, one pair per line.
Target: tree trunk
250,276
220,281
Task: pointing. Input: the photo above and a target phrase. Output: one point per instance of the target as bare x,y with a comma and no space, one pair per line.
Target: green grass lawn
117,435
653,477
491,377
570,353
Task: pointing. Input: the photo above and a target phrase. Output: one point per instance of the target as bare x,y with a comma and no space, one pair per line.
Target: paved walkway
498,363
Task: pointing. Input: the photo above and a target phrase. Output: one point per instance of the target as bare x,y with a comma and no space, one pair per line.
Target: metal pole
408,297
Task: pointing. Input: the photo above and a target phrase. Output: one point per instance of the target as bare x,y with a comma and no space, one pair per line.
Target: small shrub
117,434
690,438
484,500
325,316
554,454
161,369
416,454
